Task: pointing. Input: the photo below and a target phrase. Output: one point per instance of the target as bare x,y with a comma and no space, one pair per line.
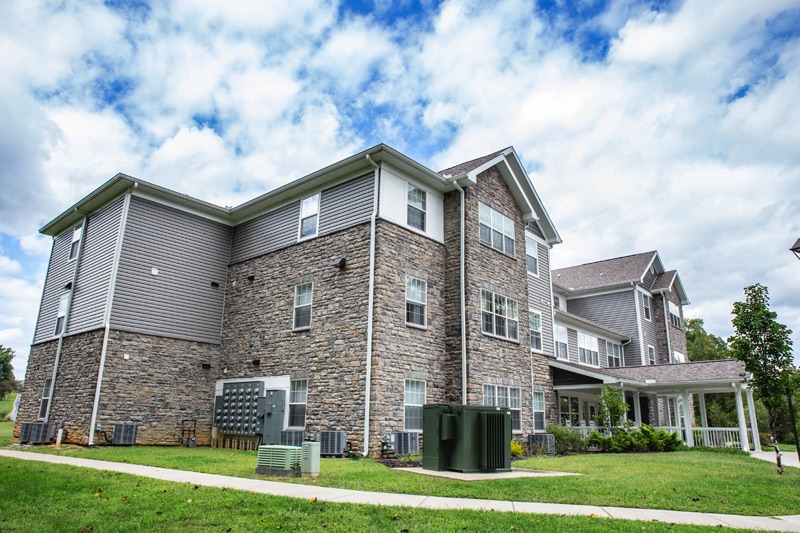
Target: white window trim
541,338
543,410
77,235
593,350
47,395
300,236
578,413
609,357
406,404
556,341
651,349
535,255
674,311
424,304
310,305
509,407
495,314
304,403
63,307
502,231
424,227
647,307
678,357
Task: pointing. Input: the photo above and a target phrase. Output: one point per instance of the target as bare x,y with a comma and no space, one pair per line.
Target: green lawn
703,481
55,498
6,426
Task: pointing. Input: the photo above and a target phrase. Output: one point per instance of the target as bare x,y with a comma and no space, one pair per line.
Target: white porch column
687,419
656,410
637,409
740,413
701,398
753,421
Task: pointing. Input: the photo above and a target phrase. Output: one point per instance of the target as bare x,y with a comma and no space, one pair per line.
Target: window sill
307,237
540,352
536,275
299,330
416,326
498,251
498,337
418,431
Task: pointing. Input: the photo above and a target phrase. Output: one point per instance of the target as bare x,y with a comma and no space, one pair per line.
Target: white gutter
370,303
463,303
638,321
107,317
66,318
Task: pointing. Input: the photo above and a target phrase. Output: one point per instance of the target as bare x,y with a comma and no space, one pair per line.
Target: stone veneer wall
452,295
401,351
492,360
74,389
160,384
677,336
331,354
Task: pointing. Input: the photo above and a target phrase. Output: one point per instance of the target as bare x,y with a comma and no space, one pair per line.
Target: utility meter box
309,462
466,438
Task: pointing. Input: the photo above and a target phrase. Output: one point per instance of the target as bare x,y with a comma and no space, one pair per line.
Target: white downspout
638,322
462,282
107,317
370,303
66,319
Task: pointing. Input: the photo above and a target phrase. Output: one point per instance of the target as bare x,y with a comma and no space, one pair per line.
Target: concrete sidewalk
787,458
292,490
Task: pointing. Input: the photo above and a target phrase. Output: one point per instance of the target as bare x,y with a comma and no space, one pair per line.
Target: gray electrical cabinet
237,411
274,408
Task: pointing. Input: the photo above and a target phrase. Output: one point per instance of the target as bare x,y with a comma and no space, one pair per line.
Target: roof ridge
605,260
464,163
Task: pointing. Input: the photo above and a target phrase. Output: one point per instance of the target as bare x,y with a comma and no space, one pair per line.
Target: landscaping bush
567,440
641,439
516,449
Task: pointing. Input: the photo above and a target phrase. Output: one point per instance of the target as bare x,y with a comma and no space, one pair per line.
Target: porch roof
697,376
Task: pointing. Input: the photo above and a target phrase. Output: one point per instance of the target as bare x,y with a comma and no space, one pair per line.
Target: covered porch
662,396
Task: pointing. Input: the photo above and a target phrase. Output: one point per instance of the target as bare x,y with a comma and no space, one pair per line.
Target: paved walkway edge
292,490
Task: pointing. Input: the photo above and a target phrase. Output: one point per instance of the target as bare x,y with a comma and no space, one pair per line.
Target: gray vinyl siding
341,206
540,300
616,311
649,329
59,272
190,252
534,228
572,345
345,205
94,274
648,279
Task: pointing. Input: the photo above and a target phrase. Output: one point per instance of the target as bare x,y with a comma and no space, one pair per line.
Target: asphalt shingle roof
663,281
606,273
684,372
465,167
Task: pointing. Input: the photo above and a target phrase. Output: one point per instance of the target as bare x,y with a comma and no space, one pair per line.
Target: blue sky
644,125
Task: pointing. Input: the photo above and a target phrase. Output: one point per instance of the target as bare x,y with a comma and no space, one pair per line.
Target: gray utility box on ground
466,438
309,462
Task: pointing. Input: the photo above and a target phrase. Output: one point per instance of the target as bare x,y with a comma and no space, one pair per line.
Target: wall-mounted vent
37,432
124,434
542,443
332,442
292,438
405,442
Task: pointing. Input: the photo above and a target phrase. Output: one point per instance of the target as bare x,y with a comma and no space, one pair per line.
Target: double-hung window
531,256
303,298
63,304
46,395
614,352
569,410
508,397
499,315
535,322
674,315
538,411
76,242
416,301
588,351
298,397
417,207
651,355
646,306
561,342
413,401
309,216
497,230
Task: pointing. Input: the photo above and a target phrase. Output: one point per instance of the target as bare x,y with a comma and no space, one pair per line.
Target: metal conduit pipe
370,303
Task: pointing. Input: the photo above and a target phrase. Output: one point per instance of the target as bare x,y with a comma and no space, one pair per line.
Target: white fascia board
511,180
536,202
535,238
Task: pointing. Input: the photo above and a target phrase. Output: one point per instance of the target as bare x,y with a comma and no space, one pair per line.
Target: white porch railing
711,437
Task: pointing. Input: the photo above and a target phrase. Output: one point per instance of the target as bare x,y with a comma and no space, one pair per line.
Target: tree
704,346
7,381
611,408
764,346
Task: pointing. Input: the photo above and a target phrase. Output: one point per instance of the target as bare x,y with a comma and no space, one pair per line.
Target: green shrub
516,449
641,439
567,440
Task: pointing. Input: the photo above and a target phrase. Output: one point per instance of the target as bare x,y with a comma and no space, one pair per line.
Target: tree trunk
774,439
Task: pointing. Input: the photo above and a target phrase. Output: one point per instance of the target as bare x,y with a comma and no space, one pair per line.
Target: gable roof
519,183
604,274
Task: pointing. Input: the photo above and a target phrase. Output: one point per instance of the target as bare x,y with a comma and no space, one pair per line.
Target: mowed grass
55,498
697,480
7,426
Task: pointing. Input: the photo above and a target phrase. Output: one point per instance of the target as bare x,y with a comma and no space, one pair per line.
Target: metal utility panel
236,411
274,409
